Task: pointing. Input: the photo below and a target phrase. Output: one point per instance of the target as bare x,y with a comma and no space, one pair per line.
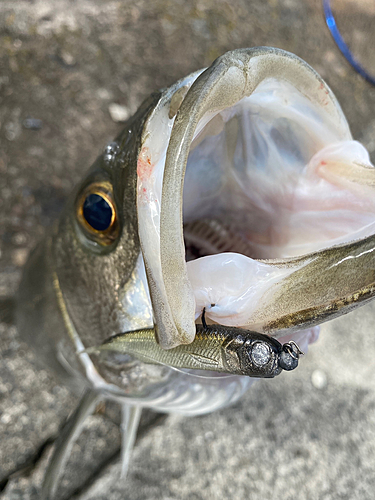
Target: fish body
217,348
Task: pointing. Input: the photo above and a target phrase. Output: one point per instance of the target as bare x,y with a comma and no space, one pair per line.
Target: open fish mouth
253,200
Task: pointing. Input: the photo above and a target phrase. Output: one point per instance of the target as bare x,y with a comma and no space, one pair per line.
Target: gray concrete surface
307,435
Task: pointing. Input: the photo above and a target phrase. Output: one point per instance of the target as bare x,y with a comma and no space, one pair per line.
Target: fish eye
97,213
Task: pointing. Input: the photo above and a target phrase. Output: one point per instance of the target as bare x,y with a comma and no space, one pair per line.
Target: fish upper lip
227,81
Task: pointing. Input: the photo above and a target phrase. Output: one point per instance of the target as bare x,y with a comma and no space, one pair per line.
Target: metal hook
204,318
291,352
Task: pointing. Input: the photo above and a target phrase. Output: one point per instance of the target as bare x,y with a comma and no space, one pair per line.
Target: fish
222,349
238,191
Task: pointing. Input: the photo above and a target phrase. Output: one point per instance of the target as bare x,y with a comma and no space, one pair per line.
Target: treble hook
295,354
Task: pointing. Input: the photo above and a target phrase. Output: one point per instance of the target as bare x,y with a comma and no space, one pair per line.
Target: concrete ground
64,66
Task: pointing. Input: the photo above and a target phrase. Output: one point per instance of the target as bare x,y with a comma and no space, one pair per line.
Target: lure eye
97,214
260,353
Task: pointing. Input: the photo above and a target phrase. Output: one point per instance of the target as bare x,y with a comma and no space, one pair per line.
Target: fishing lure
217,348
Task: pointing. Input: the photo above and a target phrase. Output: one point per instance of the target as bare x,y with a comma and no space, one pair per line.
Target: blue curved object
331,23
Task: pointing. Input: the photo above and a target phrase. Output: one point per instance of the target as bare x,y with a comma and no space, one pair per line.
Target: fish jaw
273,288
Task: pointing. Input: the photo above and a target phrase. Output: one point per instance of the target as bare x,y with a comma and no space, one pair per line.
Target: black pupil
97,212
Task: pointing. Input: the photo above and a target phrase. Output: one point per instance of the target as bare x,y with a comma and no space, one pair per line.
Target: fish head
86,280
223,193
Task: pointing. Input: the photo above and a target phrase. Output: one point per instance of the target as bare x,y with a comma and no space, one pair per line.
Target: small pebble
19,238
32,123
12,131
118,113
68,58
104,94
319,379
5,418
19,256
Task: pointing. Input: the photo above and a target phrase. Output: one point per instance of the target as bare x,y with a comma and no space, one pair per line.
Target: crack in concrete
7,310
29,465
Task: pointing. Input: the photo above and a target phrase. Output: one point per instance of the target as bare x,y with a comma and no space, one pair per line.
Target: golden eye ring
97,213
